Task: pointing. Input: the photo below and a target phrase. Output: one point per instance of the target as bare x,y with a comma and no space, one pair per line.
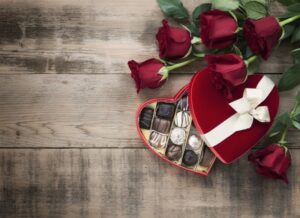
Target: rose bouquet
233,37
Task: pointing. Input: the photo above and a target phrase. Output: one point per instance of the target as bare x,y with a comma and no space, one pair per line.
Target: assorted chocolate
177,136
169,129
146,118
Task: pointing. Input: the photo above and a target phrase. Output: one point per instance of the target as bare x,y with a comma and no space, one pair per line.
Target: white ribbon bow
247,110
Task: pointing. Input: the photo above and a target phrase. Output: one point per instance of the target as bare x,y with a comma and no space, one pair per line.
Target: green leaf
287,31
173,9
236,50
239,15
297,109
296,124
296,55
228,5
199,10
290,79
194,29
276,129
294,8
255,10
288,2
296,121
244,2
253,66
296,35
281,122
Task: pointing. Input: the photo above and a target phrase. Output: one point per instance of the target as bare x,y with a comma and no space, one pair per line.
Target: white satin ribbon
247,110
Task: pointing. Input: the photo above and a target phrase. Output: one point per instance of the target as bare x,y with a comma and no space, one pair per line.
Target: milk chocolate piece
146,118
207,158
165,110
177,136
174,152
161,125
190,158
158,140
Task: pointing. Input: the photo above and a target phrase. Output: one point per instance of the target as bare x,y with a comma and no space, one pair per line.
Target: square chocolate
161,125
146,118
165,110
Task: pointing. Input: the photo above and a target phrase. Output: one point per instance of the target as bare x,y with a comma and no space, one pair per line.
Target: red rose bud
272,161
173,42
217,29
227,71
148,74
262,35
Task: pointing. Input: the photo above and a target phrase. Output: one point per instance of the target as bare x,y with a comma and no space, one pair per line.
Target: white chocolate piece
177,136
182,119
194,142
158,140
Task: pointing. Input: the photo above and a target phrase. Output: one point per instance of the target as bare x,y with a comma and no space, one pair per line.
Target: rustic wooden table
68,143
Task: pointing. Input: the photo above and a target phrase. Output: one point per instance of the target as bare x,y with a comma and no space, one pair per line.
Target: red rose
227,71
217,29
146,74
262,35
173,42
272,161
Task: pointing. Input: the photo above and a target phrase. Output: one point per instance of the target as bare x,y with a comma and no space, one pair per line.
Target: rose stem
250,60
179,65
282,141
289,20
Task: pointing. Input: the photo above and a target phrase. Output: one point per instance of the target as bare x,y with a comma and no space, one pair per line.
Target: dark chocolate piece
146,118
173,152
165,110
183,103
190,158
161,125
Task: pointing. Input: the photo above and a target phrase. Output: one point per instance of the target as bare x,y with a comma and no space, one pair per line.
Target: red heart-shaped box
209,108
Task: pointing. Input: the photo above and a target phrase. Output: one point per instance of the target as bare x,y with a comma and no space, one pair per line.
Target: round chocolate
173,152
194,142
190,158
177,136
182,119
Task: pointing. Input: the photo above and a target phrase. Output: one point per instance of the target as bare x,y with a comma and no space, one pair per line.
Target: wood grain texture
88,37
68,141
134,183
80,110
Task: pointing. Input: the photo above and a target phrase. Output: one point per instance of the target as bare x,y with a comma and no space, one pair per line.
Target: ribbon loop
247,105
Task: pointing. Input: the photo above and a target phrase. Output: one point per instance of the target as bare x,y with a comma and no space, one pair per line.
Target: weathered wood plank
134,183
88,37
80,110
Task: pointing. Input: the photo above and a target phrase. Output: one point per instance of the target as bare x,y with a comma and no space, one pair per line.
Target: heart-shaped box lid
209,108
